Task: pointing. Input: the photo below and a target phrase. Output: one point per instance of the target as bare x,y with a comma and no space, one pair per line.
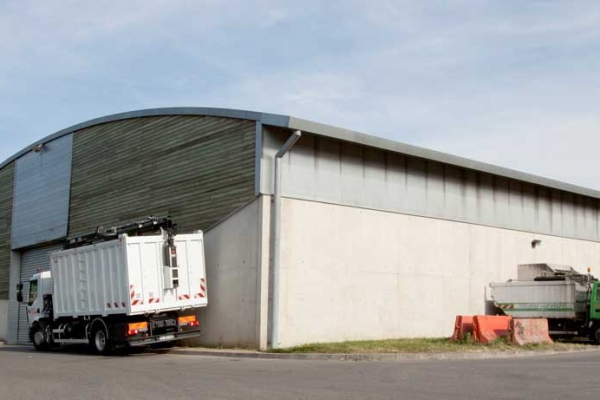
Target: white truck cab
40,288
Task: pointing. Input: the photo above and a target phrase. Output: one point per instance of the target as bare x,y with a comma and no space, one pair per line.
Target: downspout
276,234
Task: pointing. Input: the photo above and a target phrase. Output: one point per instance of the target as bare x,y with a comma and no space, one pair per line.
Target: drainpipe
276,234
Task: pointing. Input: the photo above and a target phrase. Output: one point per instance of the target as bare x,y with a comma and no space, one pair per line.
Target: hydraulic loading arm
150,224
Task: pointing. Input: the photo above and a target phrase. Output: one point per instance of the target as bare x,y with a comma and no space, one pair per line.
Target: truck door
595,301
33,295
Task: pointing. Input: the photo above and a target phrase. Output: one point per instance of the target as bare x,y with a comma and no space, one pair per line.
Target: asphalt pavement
75,374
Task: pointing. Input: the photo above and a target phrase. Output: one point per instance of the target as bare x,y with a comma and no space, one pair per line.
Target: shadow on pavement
80,350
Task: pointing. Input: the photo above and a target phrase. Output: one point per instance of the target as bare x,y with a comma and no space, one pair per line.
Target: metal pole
276,234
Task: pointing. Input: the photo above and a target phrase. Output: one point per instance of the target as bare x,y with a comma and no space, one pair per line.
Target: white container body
533,299
127,276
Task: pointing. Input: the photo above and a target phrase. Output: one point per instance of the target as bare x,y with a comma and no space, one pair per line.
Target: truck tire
38,337
100,341
595,334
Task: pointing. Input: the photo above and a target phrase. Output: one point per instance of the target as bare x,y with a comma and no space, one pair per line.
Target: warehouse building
370,239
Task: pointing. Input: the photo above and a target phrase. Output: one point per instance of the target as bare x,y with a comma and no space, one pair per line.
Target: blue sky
513,83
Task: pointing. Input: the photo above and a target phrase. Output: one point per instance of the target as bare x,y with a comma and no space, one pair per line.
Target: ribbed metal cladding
41,194
332,171
196,169
31,261
6,204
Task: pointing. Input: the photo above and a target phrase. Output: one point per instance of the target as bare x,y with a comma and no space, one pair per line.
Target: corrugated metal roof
328,131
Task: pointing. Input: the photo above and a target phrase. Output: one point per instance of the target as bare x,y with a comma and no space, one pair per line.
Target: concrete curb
376,357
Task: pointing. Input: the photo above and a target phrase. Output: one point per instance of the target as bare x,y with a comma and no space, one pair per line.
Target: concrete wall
232,249
350,273
3,320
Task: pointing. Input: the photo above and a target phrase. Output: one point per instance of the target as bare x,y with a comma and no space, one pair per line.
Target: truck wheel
100,341
38,337
595,335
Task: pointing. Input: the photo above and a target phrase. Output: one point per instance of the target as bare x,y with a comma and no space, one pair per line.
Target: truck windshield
33,291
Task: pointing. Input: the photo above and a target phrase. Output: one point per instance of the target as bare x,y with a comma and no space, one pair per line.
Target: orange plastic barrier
529,330
488,328
462,327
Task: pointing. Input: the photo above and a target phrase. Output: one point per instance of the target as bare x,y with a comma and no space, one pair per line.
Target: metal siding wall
6,206
328,170
41,203
31,261
197,169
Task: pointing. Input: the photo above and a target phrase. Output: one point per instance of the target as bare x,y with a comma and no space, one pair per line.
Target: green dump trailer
568,299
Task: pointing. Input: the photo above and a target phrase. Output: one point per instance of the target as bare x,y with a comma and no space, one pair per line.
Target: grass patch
419,345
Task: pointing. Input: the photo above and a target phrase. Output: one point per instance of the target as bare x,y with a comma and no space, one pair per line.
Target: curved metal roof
323,130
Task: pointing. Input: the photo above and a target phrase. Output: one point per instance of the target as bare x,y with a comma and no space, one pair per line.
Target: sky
514,83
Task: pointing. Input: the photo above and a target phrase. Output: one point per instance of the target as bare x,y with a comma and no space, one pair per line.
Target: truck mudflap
166,337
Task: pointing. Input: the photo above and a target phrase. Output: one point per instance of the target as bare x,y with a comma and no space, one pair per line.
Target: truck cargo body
131,291
532,299
127,276
567,298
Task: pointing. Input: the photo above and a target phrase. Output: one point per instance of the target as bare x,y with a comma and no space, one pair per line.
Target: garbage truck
569,299
137,284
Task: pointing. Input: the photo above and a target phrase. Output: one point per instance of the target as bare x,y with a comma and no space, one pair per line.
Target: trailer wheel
100,340
38,337
595,335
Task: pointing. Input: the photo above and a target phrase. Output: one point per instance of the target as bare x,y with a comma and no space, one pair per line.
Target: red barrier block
462,327
488,328
529,331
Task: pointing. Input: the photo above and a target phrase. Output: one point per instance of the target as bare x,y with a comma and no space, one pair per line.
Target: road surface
25,374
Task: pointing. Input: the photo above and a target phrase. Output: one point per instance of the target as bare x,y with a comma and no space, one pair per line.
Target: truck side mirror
20,292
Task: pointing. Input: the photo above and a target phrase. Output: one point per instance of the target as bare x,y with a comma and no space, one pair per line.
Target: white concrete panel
264,259
232,275
3,320
350,273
